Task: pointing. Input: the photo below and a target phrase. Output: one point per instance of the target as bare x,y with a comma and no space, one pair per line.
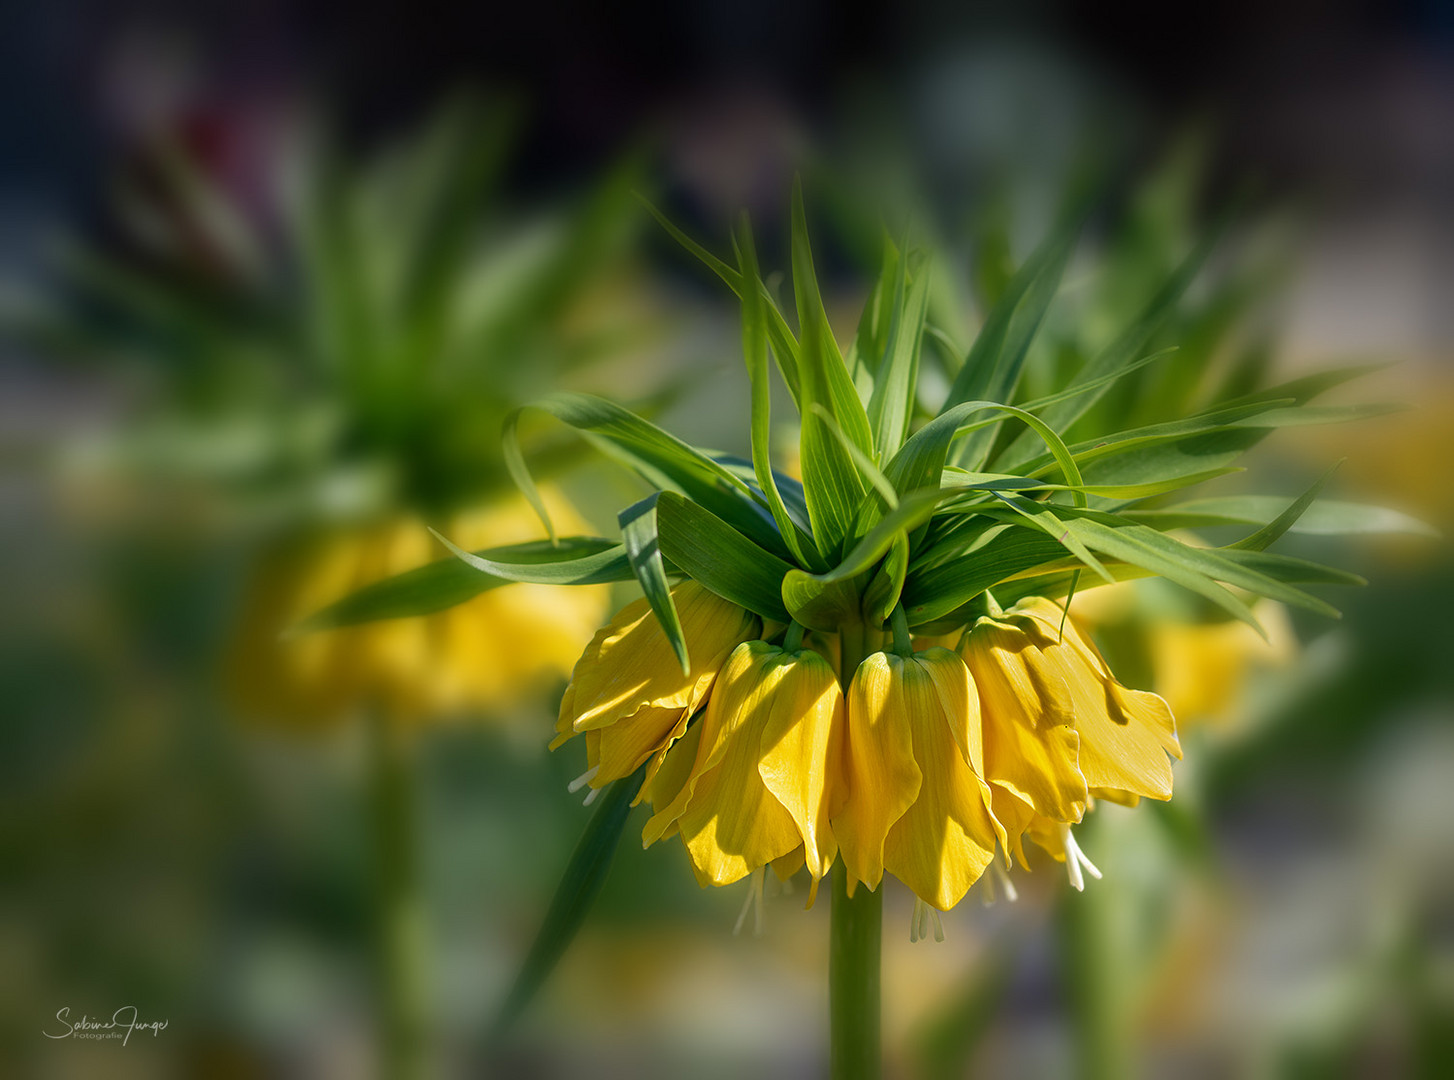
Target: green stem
855,948
401,918
1093,965
855,938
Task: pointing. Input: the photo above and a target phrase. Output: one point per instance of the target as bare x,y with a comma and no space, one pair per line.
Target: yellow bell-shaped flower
917,804
628,694
765,768
1030,742
1125,735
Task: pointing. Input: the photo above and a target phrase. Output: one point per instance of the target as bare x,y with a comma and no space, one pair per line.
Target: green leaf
579,886
932,591
1270,533
968,481
1308,415
639,535
822,601
1193,568
831,482
577,560
1117,358
992,369
887,584
1327,517
896,378
754,348
704,480
1043,518
706,548
784,347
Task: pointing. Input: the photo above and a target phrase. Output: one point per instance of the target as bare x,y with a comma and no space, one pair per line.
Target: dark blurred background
163,851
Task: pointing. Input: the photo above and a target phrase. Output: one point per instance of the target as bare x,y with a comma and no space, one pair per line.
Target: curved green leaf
576,560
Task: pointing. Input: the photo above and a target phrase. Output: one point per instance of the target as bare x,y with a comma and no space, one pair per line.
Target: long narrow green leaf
831,480
1175,560
705,547
1270,533
785,348
577,560
579,886
1327,517
704,480
639,535
754,348
1117,358
897,376
992,369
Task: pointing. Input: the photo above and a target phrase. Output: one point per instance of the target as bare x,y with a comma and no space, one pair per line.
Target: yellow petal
1030,746
1125,735
630,664
946,838
883,779
729,820
625,745
801,750
666,783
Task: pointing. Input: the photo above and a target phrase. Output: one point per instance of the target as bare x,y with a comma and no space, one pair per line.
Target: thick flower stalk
871,673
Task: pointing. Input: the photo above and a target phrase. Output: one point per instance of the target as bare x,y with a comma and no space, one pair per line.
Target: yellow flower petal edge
629,687
948,835
1030,743
1125,735
771,724
883,778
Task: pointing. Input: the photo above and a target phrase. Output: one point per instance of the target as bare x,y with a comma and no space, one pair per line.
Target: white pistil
582,780
919,922
1075,860
590,796
753,903
998,877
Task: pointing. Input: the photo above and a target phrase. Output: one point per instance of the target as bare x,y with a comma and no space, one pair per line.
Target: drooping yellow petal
729,821
1030,745
882,777
630,664
946,838
802,748
1125,735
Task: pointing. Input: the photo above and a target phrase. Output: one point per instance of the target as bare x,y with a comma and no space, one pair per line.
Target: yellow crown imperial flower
918,806
628,693
1125,735
764,768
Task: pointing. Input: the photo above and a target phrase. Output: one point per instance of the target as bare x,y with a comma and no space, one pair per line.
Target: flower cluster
932,762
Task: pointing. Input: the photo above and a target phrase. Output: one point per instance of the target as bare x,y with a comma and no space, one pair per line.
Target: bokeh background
270,275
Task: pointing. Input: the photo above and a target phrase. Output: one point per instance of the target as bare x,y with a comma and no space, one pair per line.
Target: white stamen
987,892
590,796
919,922
1075,860
752,902
582,780
1011,894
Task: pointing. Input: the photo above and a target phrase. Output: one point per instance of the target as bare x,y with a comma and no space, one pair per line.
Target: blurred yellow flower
627,693
484,655
1201,669
917,804
765,767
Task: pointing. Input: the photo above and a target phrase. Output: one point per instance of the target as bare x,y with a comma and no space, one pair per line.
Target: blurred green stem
855,939
401,919
1093,974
